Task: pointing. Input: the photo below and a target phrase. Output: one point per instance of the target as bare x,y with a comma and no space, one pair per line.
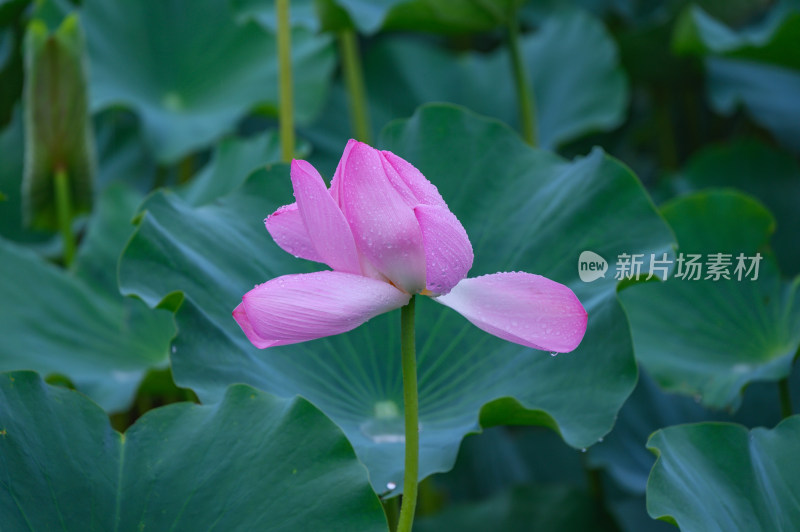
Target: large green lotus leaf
769,174
448,16
623,454
524,210
232,161
402,73
773,39
445,16
766,91
500,458
75,323
711,338
251,462
543,509
191,78
366,15
757,67
720,477
451,16
492,463
122,152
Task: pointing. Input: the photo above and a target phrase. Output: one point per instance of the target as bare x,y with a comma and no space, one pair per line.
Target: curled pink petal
384,226
448,252
412,180
337,175
324,221
241,318
301,307
288,231
523,308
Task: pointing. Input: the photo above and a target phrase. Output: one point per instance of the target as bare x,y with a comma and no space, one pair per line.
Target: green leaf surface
756,66
767,92
76,323
501,458
441,16
450,16
58,134
302,13
191,78
232,161
545,509
402,73
623,455
366,15
251,462
122,153
630,514
720,477
773,39
768,174
10,9
711,338
523,209
12,148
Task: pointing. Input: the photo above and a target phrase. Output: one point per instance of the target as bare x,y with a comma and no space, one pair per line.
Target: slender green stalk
786,398
64,213
354,79
285,97
409,362
527,107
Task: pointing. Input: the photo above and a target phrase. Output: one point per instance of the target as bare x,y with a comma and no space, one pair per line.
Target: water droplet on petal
391,485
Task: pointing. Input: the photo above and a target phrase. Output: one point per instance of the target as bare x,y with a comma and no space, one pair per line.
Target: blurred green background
140,151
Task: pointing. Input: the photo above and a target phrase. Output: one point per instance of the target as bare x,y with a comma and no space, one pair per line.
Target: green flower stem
354,79
527,107
286,107
64,213
412,417
786,398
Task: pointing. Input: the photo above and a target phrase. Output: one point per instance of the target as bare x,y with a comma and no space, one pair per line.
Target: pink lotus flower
386,233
